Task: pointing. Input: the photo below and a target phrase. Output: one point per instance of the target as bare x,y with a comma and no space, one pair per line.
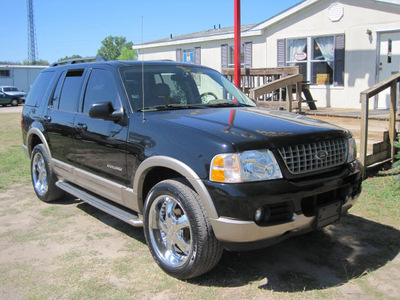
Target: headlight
244,167
352,154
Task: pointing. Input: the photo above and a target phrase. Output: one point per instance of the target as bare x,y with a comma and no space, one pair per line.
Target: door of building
388,64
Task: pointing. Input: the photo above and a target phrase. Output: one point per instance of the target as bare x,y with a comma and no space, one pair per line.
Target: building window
231,56
228,55
189,55
297,54
4,73
320,58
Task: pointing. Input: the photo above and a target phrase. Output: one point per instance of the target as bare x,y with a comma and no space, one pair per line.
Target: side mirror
105,111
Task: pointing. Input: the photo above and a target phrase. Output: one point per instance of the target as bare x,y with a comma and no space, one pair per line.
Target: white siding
21,76
361,50
312,20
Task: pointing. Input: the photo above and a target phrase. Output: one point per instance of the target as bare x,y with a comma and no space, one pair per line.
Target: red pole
237,43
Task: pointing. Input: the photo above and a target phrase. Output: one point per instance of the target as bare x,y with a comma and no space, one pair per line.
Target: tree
39,62
113,46
128,54
4,62
70,57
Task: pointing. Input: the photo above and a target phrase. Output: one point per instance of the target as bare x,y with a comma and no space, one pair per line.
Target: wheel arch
35,137
158,168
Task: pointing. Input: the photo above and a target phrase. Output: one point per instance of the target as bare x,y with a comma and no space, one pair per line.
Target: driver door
100,145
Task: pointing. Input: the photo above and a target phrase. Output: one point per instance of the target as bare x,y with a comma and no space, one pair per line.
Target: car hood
18,94
253,128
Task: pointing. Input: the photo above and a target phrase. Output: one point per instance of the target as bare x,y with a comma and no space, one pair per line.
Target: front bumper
294,207
236,235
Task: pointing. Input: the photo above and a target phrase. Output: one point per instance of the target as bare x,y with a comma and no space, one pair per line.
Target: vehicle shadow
123,227
318,260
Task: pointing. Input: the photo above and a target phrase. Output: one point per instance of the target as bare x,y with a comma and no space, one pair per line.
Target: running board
122,214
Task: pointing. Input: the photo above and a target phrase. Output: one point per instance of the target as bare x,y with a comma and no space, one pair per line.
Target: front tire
178,231
43,178
14,102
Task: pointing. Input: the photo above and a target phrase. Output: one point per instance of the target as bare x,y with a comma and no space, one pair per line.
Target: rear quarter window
39,88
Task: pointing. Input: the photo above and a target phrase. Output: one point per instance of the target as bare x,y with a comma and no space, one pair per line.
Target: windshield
10,89
179,87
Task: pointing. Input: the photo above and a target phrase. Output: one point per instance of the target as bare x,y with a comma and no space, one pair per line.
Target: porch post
364,132
392,119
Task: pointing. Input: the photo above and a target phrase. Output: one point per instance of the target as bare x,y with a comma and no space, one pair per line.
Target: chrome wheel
39,174
170,232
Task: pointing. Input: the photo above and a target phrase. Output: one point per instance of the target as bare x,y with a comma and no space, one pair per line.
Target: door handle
81,127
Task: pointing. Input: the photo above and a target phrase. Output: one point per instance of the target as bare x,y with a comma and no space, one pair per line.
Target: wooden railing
382,152
265,84
287,82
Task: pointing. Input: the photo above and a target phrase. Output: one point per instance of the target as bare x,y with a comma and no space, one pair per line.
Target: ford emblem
321,155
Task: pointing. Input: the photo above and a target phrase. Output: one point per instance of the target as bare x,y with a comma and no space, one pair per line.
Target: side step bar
122,214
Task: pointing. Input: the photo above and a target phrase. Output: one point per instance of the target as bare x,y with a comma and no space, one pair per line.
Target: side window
39,88
71,90
55,100
100,88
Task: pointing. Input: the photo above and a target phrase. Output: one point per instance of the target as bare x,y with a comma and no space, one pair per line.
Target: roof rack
78,60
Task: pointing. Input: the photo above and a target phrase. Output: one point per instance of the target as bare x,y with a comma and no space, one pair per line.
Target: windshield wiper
226,103
172,107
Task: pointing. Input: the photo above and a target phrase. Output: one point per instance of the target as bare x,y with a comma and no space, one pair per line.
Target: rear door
100,145
59,117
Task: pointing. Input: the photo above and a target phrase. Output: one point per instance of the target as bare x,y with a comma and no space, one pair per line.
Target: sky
69,27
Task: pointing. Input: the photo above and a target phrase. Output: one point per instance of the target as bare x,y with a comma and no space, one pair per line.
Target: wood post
289,98
364,131
392,119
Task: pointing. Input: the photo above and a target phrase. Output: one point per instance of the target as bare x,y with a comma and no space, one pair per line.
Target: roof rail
78,60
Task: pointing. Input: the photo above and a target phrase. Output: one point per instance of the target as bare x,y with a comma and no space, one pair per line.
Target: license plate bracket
328,214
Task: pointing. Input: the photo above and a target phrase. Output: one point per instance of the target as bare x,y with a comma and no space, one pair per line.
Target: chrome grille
312,157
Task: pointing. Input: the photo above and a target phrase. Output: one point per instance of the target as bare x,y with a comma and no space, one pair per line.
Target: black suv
178,149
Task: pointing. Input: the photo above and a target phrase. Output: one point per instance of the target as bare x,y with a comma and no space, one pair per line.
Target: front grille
312,157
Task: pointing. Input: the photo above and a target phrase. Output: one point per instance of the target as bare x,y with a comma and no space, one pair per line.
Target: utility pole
237,44
32,46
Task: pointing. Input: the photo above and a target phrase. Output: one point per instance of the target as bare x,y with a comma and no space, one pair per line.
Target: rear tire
178,231
43,178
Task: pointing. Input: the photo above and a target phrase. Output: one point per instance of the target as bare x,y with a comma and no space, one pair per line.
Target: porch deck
377,114
351,120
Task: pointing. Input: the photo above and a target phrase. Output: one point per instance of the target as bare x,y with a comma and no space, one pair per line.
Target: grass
14,164
381,198
73,251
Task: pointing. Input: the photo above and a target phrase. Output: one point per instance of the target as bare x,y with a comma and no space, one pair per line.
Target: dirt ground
70,250
11,109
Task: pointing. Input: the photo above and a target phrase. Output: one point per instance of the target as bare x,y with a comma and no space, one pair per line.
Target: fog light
259,214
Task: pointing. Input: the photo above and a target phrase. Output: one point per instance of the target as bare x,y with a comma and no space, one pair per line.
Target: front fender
181,168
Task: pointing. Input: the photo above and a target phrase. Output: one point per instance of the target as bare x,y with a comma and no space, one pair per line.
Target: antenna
32,46
144,119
